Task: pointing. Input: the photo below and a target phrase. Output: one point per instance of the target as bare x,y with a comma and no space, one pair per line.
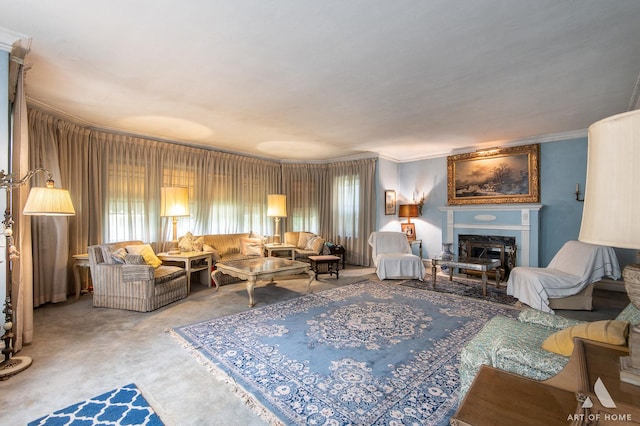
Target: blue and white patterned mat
121,406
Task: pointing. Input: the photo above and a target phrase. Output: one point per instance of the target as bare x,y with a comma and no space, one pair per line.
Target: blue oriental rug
368,353
121,406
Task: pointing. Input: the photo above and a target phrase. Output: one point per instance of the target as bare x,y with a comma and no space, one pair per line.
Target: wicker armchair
133,285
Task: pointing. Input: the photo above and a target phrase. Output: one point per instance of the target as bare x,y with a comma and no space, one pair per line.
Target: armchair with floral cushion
128,275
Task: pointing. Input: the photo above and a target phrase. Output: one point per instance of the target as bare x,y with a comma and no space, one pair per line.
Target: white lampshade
276,205
611,215
174,201
48,202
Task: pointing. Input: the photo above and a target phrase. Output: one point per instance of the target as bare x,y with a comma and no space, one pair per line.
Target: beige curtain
335,200
22,285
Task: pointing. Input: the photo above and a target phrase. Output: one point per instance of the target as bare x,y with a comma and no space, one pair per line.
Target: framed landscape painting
497,176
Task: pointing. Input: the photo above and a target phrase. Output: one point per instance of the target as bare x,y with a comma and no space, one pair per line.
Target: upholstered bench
332,262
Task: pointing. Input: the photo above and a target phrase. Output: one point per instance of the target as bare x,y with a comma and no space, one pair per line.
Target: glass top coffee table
483,265
262,268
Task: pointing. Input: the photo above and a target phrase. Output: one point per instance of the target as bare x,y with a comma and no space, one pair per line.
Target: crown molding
8,38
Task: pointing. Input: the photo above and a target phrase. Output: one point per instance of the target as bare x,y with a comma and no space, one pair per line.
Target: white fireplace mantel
521,221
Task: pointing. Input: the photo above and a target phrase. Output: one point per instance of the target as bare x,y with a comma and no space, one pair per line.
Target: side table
281,247
81,261
192,261
500,398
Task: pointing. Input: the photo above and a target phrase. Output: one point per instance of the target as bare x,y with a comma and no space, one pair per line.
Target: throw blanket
573,268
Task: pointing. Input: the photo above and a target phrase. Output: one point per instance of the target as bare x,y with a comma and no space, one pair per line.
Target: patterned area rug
121,406
370,353
467,287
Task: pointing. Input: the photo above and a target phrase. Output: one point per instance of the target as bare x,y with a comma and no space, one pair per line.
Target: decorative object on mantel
611,214
277,208
48,201
408,211
497,176
174,203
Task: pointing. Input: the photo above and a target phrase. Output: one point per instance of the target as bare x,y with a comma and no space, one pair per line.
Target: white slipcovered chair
393,258
567,283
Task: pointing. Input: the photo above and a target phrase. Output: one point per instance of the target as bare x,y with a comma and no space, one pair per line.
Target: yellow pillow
146,252
607,331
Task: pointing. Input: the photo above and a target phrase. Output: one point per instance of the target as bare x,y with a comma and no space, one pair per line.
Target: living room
400,165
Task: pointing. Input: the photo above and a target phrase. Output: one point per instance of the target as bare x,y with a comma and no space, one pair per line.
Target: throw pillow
607,331
251,246
118,255
146,252
186,243
303,239
315,244
198,244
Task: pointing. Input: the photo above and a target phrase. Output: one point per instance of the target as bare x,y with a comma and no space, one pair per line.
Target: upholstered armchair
123,280
393,258
567,282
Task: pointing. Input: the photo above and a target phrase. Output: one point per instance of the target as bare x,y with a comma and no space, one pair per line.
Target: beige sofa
230,247
307,244
126,281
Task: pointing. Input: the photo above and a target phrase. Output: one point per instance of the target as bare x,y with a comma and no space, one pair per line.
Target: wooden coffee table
261,268
474,263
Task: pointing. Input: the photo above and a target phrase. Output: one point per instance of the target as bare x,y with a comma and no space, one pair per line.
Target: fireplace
491,247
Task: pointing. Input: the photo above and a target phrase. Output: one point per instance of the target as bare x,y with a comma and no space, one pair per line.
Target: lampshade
276,205
408,210
611,214
48,202
174,201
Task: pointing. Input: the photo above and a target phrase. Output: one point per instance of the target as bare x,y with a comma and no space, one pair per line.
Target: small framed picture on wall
389,202
410,230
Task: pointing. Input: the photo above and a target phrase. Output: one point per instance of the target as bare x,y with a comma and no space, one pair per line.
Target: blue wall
562,165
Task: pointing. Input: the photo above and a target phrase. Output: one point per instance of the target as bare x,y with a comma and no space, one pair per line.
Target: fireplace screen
491,247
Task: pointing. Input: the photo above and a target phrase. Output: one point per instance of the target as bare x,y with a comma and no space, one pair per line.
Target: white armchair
567,283
392,256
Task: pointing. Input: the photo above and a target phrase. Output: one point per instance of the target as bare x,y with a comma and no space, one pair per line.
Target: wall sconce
48,201
578,193
277,208
174,203
418,201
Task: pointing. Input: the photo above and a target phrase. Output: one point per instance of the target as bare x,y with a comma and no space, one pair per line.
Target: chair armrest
546,319
137,273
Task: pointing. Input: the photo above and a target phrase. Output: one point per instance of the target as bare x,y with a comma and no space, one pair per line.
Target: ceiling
319,80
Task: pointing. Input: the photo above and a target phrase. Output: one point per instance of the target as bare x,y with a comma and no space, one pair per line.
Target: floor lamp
174,203
277,208
48,201
611,214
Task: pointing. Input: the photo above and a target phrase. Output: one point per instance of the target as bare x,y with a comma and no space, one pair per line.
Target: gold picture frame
496,176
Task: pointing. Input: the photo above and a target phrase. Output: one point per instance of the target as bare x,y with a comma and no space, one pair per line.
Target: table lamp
276,208
409,211
174,203
611,215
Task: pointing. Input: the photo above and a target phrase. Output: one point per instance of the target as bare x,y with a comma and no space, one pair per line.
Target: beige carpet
80,351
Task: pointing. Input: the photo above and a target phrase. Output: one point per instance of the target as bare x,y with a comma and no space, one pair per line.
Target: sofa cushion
251,246
546,319
134,259
315,244
147,252
164,273
607,331
225,243
303,239
119,255
631,314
